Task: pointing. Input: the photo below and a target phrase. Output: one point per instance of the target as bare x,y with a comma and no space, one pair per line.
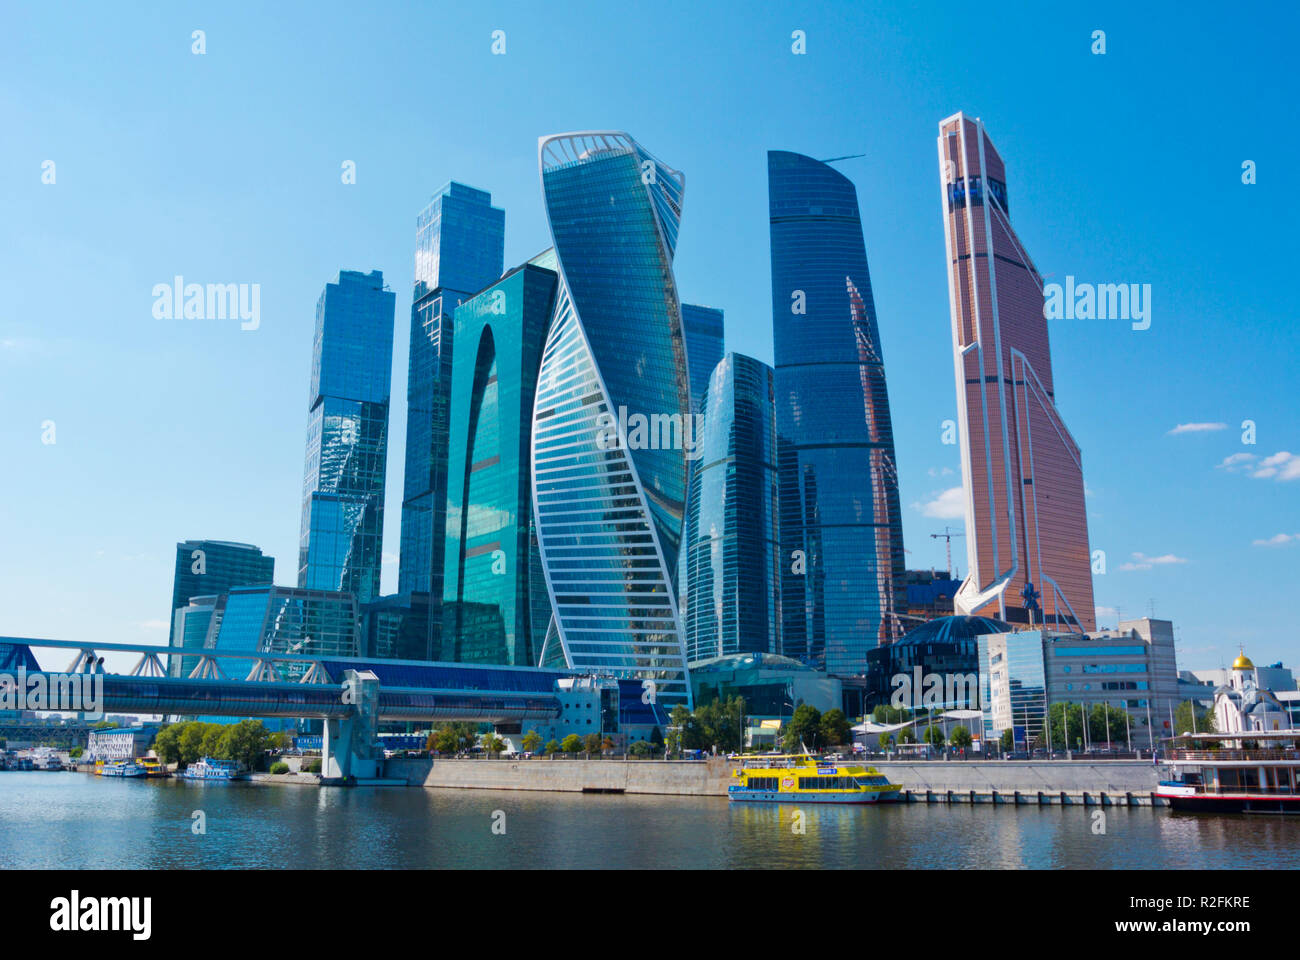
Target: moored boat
803,778
120,768
211,769
1241,772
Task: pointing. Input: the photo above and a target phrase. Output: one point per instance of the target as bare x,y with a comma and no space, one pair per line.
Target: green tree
835,728
804,729
591,744
532,740
191,742
492,744
552,747
689,728
884,713
641,748
211,742
657,739
167,744
1188,714
1007,740
960,736
907,735
885,739
934,736
74,753
244,743
571,744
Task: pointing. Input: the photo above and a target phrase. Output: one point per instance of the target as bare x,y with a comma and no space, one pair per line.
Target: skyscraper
209,567
341,537
495,604
459,249
733,566
703,329
609,457
1026,523
841,530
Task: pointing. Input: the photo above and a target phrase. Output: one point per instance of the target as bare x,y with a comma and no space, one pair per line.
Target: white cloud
1107,612
1195,428
949,505
940,471
1277,540
1281,466
1141,561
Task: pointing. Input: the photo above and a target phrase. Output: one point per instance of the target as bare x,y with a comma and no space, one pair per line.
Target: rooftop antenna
851,156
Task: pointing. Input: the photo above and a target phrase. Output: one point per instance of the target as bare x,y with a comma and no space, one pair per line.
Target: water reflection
70,820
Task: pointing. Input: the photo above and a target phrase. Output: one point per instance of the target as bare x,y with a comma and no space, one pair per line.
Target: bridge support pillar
349,747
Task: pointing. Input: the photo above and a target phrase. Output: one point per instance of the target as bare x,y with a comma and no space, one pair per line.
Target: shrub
279,767
313,766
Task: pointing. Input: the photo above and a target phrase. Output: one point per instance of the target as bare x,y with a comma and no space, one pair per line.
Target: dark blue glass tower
841,530
702,327
341,538
460,249
733,569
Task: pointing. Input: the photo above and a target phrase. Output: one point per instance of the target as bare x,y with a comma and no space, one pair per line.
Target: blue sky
225,168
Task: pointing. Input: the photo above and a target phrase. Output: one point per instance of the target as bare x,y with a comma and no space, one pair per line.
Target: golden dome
1242,662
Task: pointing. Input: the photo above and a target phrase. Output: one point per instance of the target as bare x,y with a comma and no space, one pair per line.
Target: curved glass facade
732,564
495,605
613,402
841,529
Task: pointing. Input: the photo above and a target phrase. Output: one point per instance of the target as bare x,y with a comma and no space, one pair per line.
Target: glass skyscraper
842,566
733,568
703,329
207,568
459,250
1026,522
347,437
495,604
609,473
273,619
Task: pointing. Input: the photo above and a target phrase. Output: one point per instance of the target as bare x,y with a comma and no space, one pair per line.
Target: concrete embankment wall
681,777
1072,776
711,777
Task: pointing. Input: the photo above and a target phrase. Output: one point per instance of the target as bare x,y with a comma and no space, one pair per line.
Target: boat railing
1211,755
1202,790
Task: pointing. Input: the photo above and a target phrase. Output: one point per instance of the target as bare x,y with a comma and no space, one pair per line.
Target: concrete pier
1023,782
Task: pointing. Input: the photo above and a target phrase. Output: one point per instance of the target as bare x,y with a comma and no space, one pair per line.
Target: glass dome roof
952,629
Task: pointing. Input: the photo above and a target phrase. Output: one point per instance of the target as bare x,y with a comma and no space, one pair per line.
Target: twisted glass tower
841,530
610,415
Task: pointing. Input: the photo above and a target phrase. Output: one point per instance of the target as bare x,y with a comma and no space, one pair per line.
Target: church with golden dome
1242,704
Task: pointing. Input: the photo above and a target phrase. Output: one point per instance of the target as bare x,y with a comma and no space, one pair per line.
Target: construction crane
946,537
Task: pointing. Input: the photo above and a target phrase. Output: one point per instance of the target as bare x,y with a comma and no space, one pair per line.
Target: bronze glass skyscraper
1026,524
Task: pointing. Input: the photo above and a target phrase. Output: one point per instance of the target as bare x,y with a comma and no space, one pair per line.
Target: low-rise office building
1132,668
